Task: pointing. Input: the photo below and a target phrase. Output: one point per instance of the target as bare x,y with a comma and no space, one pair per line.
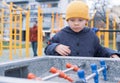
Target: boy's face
77,24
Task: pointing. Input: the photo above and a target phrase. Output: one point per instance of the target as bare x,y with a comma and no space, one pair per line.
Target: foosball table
57,69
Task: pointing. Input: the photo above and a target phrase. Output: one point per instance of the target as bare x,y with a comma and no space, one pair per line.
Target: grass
6,45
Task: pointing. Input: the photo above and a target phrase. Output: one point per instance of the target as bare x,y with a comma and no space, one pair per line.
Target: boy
76,39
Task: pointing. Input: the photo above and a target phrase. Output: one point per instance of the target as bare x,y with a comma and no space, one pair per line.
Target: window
49,5
54,4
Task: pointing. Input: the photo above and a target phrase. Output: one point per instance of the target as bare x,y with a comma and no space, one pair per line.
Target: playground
17,61
13,39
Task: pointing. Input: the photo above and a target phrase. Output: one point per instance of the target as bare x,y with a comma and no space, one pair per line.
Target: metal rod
51,76
64,71
92,75
110,30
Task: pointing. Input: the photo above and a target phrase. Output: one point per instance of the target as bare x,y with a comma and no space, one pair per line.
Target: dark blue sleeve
103,51
51,45
111,52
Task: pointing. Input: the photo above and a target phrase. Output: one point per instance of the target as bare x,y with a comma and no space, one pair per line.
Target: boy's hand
114,56
63,50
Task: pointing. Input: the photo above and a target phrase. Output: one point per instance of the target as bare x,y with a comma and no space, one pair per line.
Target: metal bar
64,71
92,75
110,30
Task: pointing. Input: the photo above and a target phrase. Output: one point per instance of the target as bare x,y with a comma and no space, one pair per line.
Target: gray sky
112,2
115,2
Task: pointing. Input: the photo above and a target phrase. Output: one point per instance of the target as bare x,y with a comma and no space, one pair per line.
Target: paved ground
5,55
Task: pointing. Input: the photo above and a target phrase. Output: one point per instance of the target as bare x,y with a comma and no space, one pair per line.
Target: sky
115,2
112,2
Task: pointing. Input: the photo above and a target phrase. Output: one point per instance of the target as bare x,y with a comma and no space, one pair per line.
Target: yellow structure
114,34
11,22
27,32
106,37
40,33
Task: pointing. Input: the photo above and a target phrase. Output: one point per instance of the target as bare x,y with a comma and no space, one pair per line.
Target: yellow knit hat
77,9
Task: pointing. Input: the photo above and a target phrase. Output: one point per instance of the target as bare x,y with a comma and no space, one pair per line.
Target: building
48,6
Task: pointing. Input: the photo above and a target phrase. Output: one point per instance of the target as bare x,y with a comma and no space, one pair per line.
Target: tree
101,7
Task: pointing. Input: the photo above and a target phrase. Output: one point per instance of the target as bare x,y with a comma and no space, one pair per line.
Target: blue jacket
84,43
